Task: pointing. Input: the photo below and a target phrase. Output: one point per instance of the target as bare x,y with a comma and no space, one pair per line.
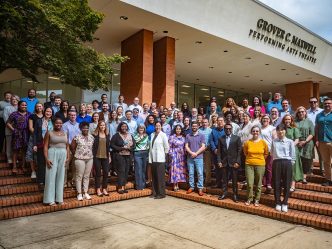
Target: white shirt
140,108
267,135
159,149
311,114
228,139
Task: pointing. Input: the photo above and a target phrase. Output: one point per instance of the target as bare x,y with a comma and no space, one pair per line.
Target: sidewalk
148,223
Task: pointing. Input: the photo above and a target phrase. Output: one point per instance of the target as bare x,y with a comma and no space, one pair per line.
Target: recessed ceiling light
206,96
186,86
53,78
220,91
198,42
283,69
247,76
297,74
119,83
248,58
225,51
165,31
266,64
211,67
221,95
184,93
123,18
116,74
189,62
205,89
229,72
30,81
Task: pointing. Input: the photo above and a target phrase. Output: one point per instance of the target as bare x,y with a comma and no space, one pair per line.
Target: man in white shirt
145,112
132,125
136,105
120,103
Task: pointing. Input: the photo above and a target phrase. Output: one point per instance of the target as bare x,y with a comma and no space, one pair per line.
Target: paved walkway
148,223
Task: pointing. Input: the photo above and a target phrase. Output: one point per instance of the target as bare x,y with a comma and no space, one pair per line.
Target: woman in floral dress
177,158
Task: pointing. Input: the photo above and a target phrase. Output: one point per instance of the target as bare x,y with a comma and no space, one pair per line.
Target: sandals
105,192
304,181
256,204
292,189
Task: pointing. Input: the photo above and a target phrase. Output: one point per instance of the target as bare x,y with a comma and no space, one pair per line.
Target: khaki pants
325,150
207,165
83,169
9,153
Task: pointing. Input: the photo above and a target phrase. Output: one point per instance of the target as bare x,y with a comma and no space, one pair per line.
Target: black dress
122,163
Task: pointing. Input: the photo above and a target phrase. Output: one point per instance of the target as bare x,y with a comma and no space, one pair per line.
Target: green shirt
306,128
142,143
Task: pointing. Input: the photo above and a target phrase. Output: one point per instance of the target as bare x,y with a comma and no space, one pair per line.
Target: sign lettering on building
279,38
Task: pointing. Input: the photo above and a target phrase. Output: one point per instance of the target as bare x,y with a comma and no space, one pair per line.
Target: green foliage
51,36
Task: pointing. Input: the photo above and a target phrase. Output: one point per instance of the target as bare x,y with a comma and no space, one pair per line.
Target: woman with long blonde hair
101,156
293,133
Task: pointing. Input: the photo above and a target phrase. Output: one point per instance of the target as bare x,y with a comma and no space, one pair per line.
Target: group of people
267,145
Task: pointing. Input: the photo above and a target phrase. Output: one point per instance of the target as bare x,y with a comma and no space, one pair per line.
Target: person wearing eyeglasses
312,113
324,138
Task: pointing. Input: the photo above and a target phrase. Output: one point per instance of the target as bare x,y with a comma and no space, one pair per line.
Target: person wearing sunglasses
312,113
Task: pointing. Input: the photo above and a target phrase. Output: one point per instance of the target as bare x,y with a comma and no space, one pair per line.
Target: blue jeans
197,163
140,158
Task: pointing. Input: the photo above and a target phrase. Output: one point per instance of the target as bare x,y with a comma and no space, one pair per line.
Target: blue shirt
272,104
86,118
139,120
132,126
30,103
215,135
283,149
207,133
150,129
72,129
324,123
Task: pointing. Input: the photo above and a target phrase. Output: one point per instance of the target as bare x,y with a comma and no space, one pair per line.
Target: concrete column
299,93
136,73
164,71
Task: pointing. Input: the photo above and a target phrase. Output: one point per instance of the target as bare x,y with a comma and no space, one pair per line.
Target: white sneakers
85,196
80,197
283,208
33,175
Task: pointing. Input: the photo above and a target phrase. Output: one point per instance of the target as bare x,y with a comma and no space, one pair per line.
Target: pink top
251,110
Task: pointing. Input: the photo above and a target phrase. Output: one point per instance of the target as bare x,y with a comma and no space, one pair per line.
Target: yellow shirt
255,152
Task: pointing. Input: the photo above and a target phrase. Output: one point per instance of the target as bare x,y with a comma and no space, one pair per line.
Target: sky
315,15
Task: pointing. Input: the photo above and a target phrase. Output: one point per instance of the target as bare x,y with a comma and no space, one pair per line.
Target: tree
52,36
